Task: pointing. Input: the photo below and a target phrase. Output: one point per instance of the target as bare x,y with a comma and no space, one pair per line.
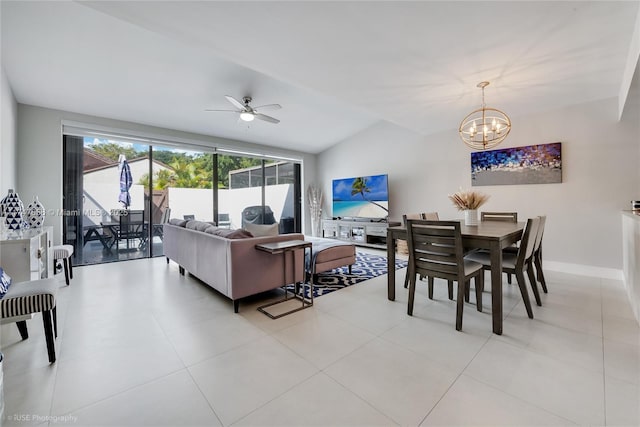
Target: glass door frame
77,204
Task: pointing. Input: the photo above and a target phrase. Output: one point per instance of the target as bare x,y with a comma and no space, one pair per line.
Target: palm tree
162,179
359,186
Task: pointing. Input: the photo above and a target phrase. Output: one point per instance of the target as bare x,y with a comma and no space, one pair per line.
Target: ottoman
328,254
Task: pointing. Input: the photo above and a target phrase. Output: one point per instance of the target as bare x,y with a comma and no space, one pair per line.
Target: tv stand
370,233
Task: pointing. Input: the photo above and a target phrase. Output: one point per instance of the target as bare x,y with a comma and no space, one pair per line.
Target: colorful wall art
533,164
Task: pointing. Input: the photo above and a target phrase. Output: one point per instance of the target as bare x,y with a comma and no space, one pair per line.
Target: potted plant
469,202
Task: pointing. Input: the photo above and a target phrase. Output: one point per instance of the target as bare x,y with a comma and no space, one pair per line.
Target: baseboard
583,270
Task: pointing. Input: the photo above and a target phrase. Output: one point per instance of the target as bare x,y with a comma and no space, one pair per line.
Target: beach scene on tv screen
361,197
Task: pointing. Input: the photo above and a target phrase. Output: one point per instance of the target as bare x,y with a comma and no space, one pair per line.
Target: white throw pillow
262,230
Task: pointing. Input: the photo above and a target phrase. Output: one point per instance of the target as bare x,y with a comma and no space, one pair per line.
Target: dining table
491,235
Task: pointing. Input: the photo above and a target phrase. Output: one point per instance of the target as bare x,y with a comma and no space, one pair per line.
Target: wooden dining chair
537,254
499,216
516,263
430,216
405,217
435,250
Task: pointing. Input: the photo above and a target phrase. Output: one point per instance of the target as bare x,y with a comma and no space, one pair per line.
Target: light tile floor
140,344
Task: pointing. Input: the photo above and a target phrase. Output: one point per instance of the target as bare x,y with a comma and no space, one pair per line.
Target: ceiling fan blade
266,118
225,111
268,107
235,102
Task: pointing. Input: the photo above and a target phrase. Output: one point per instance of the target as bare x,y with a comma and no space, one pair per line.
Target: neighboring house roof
93,160
137,159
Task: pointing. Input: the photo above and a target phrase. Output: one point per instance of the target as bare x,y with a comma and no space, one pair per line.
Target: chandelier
485,127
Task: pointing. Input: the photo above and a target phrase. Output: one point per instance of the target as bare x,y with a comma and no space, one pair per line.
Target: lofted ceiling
335,67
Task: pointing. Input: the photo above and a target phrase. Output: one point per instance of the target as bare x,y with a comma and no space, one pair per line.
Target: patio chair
158,230
224,221
131,227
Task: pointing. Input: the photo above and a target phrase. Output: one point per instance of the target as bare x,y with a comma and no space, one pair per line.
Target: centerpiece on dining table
469,202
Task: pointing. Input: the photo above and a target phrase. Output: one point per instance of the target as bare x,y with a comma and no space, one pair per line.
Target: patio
95,253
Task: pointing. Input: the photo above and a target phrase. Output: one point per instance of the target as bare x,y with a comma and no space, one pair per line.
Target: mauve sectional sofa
228,261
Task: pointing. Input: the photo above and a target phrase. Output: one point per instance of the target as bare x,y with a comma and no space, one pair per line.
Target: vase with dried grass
315,198
469,202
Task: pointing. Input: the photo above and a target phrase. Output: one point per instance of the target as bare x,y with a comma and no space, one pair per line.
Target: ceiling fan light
247,117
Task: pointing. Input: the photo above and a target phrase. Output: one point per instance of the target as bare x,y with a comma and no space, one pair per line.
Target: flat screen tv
361,197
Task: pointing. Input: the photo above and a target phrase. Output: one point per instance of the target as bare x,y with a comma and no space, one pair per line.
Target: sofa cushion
178,222
197,225
232,234
211,229
262,230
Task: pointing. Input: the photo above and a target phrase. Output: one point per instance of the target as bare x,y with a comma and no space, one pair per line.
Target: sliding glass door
279,193
118,193
106,204
182,188
240,191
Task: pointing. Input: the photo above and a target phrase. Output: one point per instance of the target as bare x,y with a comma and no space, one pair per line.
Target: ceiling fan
248,113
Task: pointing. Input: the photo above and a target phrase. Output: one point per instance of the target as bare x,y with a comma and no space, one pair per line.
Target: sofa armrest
252,271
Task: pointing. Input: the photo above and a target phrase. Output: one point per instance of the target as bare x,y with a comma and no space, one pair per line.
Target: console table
358,232
277,248
26,253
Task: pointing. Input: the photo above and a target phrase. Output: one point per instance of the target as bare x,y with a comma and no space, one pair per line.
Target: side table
277,248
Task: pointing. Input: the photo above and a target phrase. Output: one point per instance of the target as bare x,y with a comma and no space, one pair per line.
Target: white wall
8,140
39,154
199,202
102,188
600,175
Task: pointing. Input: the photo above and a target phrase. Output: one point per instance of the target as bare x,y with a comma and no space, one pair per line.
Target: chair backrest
131,221
405,217
430,216
165,216
538,242
435,249
224,220
528,240
136,216
499,216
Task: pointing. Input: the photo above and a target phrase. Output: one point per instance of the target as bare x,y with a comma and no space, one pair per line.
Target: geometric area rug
367,266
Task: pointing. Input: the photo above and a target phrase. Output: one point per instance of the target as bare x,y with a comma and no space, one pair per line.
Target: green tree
112,151
228,163
195,171
162,179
